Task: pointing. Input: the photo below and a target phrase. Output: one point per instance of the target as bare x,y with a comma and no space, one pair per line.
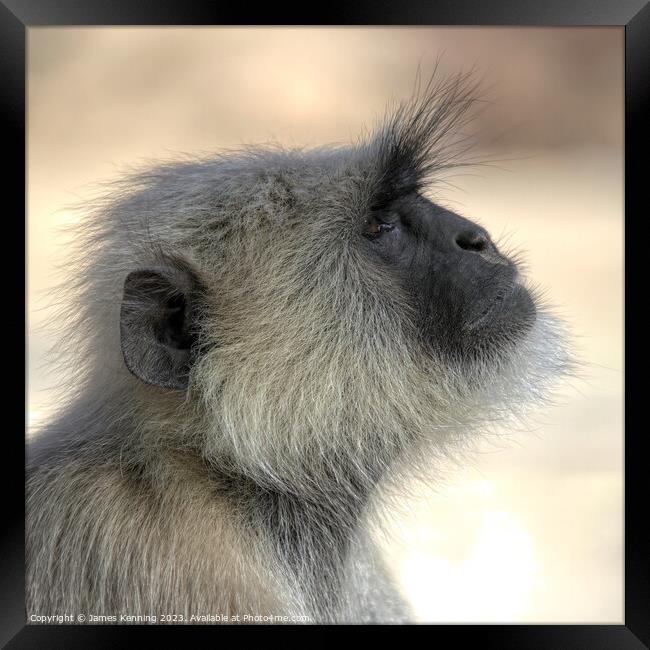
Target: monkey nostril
472,241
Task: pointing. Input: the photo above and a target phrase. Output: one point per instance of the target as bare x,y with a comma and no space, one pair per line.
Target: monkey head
316,309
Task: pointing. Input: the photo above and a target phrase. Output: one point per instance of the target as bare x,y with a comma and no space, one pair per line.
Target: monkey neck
311,534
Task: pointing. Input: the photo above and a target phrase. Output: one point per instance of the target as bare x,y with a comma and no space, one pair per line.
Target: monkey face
467,295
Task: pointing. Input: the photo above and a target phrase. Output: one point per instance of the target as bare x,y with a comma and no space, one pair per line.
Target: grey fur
254,491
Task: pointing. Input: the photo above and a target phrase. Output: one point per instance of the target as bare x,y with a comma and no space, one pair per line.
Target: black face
464,290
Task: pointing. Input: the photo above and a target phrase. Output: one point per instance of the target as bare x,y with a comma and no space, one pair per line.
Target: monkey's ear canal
157,324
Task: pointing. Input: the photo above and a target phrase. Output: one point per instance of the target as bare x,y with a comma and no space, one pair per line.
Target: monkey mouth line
498,302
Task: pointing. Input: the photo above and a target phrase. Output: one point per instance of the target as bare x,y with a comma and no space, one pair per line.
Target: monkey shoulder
159,527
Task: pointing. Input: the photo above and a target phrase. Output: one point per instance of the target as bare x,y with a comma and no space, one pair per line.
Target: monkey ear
157,327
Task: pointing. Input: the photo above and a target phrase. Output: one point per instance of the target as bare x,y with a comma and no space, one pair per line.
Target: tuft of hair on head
421,138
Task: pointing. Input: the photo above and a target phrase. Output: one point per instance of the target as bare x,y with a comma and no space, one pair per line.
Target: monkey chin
512,357
510,311
495,332
529,360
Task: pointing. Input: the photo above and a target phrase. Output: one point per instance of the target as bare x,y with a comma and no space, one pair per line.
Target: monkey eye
375,229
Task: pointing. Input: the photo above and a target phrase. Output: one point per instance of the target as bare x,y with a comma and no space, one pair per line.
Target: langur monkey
260,343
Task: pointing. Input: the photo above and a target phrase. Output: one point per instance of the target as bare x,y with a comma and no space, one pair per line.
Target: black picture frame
632,15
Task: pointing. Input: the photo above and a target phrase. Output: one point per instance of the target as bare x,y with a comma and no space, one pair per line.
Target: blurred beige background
531,531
